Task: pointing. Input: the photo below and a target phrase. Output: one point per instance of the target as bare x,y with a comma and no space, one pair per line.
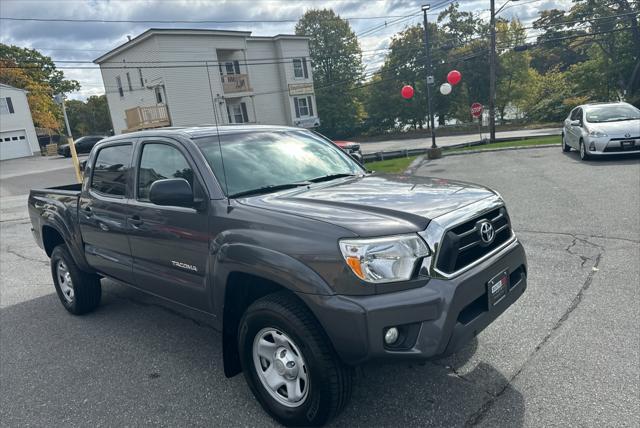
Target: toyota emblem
487,233
627,135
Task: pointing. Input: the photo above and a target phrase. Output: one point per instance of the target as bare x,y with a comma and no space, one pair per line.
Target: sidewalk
34,165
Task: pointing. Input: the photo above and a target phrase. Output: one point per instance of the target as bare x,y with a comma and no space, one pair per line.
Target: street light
434,152
492,70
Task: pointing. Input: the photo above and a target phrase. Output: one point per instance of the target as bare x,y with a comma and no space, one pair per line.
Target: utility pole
72,146
434,152
492,76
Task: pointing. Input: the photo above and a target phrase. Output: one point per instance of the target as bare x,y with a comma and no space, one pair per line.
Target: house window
141,78
300,68
232,67
129,82
6,106
119,85
159,99
303,106
238,112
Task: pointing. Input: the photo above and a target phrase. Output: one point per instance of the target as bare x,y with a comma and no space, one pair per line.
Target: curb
417,163
501,149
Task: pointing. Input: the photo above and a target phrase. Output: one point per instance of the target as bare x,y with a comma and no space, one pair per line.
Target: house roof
188,31
13,87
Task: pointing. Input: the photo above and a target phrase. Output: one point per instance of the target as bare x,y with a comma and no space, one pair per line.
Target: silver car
602,129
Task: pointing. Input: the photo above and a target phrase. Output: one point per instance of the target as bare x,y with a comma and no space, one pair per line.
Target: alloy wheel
64,280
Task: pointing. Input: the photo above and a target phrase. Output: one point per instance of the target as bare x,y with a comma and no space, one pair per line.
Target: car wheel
565,146
583,151
78,291
289,363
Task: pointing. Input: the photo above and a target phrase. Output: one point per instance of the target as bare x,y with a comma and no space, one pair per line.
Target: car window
611,113
111,170
159,161
255,160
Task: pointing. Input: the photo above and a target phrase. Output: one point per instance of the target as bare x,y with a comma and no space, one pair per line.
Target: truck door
169,245
103,209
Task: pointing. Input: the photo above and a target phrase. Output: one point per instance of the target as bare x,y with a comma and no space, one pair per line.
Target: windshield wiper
331,177
268,189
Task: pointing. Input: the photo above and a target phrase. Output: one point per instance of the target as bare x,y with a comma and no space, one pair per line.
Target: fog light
391,336
592,147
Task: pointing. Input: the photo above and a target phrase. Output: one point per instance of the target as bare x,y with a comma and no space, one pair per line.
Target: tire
565,146
583,151
285,320
79,292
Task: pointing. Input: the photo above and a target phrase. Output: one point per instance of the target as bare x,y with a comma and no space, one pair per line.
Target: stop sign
476,109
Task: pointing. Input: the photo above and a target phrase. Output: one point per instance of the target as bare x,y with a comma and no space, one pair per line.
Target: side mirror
173,192
575,123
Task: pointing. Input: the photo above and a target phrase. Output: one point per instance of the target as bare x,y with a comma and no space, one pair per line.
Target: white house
17,135
175,77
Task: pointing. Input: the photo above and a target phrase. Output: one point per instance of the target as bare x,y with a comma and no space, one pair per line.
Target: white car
602,129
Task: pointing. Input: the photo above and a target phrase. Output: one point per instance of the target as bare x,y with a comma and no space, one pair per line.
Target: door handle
135,221
88,212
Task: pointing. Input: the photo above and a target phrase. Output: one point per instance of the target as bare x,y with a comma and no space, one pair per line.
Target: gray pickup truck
307,263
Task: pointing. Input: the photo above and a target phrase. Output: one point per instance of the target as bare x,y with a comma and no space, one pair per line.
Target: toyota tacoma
306,262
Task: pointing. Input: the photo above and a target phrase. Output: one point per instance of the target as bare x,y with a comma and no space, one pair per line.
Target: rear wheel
565,146
78,291
583,151
289,363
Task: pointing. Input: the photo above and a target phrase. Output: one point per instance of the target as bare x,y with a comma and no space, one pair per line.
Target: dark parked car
307,263
83,145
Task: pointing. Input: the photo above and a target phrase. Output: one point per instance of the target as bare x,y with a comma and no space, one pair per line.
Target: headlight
596,133
386,259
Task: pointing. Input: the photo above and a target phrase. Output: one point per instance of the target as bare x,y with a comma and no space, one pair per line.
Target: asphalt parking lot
566,354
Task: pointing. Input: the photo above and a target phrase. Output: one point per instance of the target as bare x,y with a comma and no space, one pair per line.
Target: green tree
337,68
513,67
89,117
39,67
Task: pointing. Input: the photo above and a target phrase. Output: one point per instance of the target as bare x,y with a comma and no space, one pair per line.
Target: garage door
14,144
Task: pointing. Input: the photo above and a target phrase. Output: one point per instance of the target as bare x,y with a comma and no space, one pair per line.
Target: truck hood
374,205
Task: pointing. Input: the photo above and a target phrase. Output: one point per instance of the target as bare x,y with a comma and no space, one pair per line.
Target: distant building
17,134
171,77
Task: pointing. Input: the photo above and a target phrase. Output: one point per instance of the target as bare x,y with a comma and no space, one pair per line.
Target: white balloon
445,89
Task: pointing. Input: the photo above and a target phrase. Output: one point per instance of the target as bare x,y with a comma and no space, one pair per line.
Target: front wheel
289,363
583,151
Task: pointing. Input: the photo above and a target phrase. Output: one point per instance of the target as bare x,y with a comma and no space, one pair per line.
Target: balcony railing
235,83
146,118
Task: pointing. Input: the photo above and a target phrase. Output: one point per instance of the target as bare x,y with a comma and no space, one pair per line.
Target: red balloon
454,77
407,92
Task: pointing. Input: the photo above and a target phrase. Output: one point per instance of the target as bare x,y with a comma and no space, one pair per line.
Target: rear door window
111,170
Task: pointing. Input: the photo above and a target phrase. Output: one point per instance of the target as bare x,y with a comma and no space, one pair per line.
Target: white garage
17,135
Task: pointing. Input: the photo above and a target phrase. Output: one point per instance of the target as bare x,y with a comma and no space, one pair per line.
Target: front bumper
441,316
605,146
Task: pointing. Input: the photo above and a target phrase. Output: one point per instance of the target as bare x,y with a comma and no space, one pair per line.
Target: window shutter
245,116
10,105
236,67
304,67
310,104
229,113
295,103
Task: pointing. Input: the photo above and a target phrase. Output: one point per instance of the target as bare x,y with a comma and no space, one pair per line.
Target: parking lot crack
475,418
23,257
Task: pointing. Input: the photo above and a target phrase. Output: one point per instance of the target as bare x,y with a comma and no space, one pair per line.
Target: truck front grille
462,245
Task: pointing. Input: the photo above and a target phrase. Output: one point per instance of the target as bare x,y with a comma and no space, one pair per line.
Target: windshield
260,160
612,113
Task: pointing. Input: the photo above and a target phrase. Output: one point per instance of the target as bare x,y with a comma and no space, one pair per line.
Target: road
566,354
421,143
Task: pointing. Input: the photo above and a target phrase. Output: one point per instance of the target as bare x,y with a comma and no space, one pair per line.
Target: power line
178,21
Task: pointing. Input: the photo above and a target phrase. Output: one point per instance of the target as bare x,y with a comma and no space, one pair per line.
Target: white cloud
86,41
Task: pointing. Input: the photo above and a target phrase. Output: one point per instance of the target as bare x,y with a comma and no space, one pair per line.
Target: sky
85,41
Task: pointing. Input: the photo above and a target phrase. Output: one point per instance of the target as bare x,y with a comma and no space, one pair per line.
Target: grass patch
391,165
555,139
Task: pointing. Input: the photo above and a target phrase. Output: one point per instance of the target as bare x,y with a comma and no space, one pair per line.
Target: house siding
18,122
186,67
